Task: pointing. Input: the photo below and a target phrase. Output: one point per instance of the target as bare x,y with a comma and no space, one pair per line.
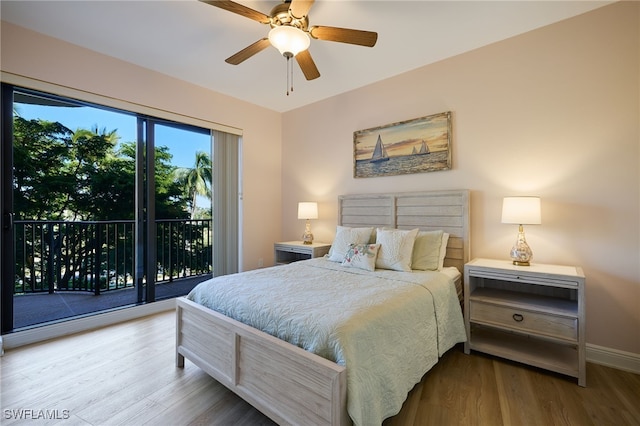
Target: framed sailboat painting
413,146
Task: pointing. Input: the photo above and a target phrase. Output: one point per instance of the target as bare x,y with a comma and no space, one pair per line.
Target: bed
292,385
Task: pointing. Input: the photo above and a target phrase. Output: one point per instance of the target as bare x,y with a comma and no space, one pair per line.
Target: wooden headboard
428,211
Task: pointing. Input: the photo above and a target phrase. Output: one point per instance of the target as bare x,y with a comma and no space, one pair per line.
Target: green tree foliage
41,185
60,174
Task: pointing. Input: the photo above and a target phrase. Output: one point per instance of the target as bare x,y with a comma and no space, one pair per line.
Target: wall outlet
260,263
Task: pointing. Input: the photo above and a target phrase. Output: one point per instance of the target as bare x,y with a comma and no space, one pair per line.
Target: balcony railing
98,256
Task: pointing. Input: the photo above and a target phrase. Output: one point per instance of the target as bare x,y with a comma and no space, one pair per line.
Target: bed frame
285,382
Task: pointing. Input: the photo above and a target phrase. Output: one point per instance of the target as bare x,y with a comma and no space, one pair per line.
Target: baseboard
52,331
614,358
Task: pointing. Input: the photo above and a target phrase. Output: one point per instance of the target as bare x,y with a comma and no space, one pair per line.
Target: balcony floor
39,308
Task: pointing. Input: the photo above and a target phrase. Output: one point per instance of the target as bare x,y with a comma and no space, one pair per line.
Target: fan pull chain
288,55
291,71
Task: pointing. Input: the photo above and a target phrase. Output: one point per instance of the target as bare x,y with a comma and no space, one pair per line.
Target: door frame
7,258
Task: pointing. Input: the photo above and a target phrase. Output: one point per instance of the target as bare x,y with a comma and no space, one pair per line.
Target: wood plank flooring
125,375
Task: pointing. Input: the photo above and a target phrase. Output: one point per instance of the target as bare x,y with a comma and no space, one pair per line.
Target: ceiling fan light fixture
288,39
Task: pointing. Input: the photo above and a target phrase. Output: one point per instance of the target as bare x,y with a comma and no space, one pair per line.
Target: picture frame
419,145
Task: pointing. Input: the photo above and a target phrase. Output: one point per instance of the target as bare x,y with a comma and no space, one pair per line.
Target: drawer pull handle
517,317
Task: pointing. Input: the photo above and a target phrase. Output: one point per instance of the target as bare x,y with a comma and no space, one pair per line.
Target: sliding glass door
182,209
102,208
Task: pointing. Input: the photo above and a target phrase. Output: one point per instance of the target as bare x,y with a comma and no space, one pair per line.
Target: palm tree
196,180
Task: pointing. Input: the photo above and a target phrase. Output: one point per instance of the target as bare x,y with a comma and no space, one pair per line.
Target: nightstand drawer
539,323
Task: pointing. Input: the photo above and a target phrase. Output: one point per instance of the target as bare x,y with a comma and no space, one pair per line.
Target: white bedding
454,274
388,328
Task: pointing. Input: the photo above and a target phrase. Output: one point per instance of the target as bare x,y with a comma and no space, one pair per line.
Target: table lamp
521,211
307,210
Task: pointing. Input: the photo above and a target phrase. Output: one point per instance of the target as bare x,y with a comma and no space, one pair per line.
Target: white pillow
426,251
361,256
443,250
344,237
396,248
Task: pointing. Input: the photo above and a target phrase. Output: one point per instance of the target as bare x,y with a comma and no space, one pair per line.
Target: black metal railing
97,256
184,248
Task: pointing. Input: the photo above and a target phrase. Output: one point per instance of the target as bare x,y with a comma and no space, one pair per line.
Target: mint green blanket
388,328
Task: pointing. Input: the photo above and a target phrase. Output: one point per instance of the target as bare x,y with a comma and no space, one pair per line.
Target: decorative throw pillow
344,237
361,256
396,248
426,251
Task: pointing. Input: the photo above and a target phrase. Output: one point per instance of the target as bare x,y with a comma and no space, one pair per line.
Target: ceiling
190,40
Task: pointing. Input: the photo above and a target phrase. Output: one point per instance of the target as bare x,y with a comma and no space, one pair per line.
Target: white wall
553,113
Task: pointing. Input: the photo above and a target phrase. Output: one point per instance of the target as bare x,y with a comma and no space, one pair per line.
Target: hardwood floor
125,375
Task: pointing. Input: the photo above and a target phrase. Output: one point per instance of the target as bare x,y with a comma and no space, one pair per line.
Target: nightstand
292,251
530,314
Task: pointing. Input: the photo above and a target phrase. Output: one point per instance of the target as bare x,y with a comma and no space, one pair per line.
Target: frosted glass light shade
521,210
308,210
288,39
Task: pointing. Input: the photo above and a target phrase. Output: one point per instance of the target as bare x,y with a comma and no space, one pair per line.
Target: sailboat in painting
379,152
424,149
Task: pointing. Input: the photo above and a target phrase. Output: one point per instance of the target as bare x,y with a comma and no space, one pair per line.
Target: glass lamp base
521,253
307,237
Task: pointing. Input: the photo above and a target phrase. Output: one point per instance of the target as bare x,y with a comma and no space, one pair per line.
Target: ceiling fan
290,33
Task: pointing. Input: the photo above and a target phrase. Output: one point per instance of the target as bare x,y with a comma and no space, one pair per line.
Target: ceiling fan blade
245,11
344,35
307,65
300,8
248,52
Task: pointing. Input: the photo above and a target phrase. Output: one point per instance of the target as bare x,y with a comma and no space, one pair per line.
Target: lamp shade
308,210
521,210
288,39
